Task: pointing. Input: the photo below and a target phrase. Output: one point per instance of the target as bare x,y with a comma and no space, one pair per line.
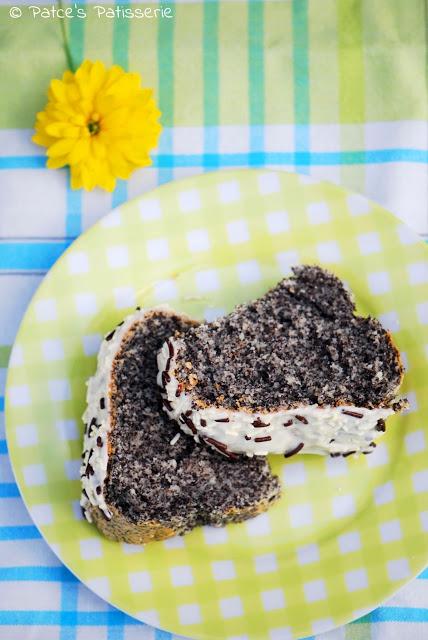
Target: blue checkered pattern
39,598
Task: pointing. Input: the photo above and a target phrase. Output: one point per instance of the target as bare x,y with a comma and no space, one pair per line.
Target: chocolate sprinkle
258,423
294,451
102,403
354,414
166,403
170,349
263,439
99,441
288,423
335,455
247,437
302,419
165,378
216,443
203,423
189,423
231,455
348,453
110,335
380,426
98,490
222,420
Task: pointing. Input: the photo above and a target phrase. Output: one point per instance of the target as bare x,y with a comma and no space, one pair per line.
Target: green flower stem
65,40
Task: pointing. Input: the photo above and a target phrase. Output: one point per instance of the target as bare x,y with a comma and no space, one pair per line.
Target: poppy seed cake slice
141,481
294,371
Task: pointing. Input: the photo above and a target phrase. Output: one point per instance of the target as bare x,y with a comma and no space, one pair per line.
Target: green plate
347,532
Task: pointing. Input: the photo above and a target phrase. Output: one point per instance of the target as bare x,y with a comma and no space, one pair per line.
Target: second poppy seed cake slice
141,479
296,370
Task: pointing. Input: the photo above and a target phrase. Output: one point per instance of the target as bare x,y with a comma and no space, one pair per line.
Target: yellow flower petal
57,163
100,122
80,151
61,147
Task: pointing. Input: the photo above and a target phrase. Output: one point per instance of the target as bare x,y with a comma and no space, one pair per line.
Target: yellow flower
100,122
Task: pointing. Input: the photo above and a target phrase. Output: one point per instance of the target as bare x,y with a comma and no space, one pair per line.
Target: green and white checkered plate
347,533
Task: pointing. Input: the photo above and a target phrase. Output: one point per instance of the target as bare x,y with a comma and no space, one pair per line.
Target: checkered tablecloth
332,88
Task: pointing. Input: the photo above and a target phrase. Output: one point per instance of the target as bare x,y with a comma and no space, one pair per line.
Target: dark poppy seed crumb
299,344
288,423
258,423
373,444
247,437
302,419
150,479
102,403
99,442
263,439
294,451
138,308
354,414
110,335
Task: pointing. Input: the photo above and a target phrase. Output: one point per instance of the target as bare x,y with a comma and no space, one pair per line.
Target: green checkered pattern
346,533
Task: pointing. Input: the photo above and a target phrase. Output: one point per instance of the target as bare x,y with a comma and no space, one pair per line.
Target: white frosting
322,430
95,441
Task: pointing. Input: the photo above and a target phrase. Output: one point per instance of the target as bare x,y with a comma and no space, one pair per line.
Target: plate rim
51,272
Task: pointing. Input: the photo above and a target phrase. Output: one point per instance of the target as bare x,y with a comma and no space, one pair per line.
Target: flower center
93,127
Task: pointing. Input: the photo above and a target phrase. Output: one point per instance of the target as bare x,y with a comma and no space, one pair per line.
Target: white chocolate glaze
93,470
330,430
